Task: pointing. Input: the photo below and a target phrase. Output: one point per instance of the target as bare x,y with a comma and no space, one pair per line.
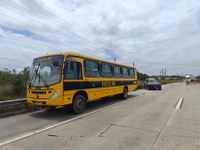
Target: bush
18,86
142,76
13,84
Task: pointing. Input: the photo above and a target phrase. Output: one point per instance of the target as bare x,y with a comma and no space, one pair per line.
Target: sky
153,34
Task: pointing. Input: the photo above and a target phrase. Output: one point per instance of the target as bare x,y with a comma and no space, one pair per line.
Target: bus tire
124,95
79,104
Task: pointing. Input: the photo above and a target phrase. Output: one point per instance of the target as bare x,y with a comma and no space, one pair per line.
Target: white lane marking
16,138
185,89
31,133
179,103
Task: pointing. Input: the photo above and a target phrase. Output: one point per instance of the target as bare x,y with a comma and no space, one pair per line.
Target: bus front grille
38,92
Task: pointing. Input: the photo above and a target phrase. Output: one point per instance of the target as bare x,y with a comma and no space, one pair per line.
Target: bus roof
83,56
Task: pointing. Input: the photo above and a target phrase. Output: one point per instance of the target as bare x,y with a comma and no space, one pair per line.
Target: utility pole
160,73
163,73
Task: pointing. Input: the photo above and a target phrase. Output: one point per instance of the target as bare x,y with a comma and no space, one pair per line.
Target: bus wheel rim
79,103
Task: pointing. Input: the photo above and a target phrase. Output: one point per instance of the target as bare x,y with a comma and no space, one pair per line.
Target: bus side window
116,71
132,74
106,70
125,72
92,68
72,70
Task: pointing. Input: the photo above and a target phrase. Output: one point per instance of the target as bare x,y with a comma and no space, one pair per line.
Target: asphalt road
147,120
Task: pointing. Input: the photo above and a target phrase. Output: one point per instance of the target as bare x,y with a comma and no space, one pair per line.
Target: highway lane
147,120
15,125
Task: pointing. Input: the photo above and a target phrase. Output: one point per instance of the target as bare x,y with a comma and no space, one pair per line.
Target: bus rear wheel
125,93
79,104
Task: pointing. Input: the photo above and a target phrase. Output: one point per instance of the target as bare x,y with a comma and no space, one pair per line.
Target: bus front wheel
79,104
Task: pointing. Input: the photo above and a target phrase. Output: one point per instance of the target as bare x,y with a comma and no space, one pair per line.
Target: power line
25,43
43,46
67,35
72,26
11,51
74,29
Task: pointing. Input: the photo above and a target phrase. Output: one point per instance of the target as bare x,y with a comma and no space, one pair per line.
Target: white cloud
154,34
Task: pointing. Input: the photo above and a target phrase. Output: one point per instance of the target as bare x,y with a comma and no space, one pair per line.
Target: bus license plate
39,103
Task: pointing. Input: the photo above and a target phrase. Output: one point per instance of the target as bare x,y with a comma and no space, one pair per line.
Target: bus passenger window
72,70
92,68
106,70
125,72
132,74
117,71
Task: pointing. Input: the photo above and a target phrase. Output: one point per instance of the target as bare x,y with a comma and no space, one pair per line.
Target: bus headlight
55,94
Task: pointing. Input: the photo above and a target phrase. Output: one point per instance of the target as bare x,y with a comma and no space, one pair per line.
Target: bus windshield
46,71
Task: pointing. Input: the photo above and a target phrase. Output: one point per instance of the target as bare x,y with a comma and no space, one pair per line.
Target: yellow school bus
70,78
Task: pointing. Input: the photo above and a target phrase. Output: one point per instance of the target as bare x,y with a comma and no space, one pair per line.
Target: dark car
152,84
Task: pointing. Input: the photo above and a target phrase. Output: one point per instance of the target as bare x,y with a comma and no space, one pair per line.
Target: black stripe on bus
95,84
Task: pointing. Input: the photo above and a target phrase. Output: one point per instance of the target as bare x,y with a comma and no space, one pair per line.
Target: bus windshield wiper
35,74
43,80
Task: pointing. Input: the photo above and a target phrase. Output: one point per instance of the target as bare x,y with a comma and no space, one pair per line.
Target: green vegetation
198,78
142,76
13,84
170,79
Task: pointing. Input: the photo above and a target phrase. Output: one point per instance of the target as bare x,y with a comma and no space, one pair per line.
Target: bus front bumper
45,102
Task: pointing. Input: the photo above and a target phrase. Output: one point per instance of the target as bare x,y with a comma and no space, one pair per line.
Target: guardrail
15,106
14,102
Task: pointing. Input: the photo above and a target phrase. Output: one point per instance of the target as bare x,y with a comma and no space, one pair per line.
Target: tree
142,76
198,77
